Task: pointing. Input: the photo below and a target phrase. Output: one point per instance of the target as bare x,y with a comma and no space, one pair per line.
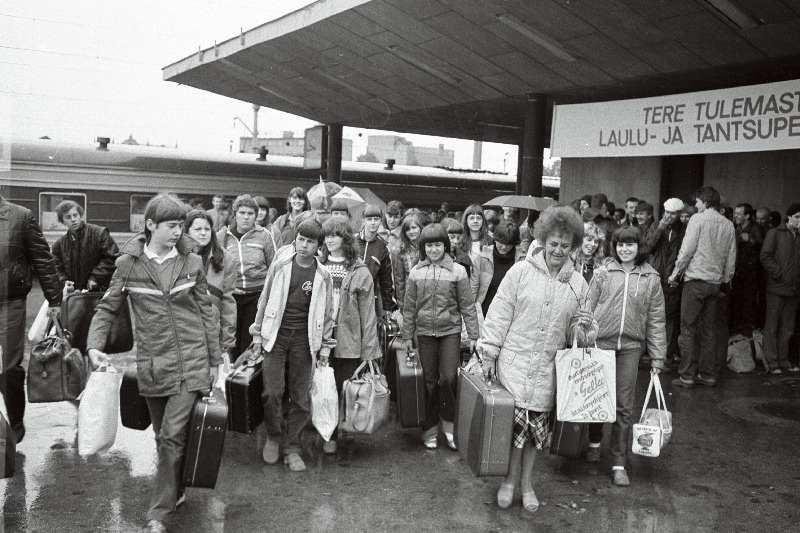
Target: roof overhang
464,68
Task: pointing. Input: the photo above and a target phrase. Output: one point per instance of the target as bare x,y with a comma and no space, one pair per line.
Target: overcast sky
78,70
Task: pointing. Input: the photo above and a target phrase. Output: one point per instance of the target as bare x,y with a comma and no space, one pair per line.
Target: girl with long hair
296,203
476,231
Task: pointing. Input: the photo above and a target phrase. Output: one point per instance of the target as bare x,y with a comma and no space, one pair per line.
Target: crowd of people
308,288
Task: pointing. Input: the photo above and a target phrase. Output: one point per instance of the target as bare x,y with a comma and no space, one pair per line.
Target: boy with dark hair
374,252
393,217
177,338
294,324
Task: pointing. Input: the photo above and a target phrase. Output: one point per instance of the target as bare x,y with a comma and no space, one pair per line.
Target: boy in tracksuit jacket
294,324
177,338
375,254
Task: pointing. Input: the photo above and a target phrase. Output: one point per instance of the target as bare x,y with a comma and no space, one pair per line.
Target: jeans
778,329
342,371
12,342
288,365
246,310
672,309
440,357
698,319
170,416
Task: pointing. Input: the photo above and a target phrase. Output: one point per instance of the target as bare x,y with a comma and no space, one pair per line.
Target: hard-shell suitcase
389,366
388,329
77,310
483,425
205,441
569,439
243,388
410,390
132,406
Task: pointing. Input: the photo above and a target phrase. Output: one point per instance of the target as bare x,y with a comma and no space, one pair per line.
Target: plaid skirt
530,426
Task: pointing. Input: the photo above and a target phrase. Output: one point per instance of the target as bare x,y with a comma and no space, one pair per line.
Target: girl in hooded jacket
628,303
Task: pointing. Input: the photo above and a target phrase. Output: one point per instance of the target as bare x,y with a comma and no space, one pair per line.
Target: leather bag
57,372
77,311
365,401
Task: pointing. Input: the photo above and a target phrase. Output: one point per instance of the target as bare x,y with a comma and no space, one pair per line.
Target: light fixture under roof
534,35
433,71
732,12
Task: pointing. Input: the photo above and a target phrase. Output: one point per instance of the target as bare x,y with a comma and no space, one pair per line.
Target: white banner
742,119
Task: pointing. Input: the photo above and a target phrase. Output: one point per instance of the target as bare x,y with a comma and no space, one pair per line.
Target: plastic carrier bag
654,429
99,411
324,401
586,385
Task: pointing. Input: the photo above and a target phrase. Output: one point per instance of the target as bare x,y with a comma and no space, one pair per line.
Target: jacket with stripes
253,255
177,338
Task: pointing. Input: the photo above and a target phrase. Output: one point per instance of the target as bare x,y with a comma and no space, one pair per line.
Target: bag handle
650,388
661,405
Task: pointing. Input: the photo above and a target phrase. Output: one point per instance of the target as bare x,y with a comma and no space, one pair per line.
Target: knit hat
674,205
372,210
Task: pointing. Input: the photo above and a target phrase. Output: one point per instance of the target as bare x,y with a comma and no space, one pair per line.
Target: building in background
287,145
383,147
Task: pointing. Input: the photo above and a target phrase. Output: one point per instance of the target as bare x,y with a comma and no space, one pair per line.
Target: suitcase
77,310
388,329
132,406
243,388
389,366
205,441
410,390
484,423
569,439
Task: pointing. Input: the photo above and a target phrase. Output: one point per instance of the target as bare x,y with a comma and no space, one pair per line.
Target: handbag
324,401
654,429
364,405
57,372
586,384
77,311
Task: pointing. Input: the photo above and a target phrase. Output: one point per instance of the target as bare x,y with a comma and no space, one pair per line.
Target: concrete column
530,180
518,188
335,153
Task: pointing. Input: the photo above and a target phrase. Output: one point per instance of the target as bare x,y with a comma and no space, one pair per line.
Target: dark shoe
620,478
680,382
593,455
19,431
156,526
329,447
708,382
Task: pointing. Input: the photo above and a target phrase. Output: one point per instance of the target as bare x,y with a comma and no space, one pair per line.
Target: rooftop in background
462,68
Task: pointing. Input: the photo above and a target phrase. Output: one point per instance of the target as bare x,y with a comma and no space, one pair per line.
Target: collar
160,260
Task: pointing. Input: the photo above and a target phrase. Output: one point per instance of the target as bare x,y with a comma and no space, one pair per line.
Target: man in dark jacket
779,257
664,242
23,252
85,255
374,252
744,285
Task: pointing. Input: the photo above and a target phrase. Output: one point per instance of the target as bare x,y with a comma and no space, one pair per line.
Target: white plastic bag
654,429
37,331
586,385
99,411
324,401
740,354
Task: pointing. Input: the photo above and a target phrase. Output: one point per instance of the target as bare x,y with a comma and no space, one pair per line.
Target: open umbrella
323,188
521,202
350,197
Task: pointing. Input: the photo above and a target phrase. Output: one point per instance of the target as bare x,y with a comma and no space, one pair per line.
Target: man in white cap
664,241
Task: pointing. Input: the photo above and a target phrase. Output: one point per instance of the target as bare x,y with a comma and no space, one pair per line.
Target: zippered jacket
272,303
357,323
629,310
779,257
375,254
98,252
436,299
253,255
220,287
708,250
177,338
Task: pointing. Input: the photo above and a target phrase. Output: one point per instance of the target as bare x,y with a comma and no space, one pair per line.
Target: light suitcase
483,425
205,441
569,439
410,390
133,409
243,388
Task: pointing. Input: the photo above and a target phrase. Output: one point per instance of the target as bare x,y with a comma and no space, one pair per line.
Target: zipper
241,259
624,306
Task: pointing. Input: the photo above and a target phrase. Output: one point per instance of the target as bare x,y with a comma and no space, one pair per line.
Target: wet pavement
732,465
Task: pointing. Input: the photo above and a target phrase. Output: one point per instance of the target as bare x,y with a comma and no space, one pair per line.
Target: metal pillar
335,153
530,180
518,187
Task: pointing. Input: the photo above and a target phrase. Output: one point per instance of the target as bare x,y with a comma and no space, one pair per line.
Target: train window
48,201
138,203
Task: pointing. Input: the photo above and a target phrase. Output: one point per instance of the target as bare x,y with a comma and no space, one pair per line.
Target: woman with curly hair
407,255
355,320
536,312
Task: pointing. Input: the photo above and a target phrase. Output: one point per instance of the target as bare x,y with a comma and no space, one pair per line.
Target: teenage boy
177,338
294,324
374,252
394,215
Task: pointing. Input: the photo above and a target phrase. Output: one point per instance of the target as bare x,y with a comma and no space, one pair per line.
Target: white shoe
431,442
450,440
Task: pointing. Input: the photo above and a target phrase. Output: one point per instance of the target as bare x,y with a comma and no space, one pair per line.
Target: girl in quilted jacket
437,296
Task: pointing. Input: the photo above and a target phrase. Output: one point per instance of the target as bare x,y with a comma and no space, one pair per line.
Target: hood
564,275
135,245
643,270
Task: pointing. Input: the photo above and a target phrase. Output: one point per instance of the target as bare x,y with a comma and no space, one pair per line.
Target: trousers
12,343
440,357
699,303
778,329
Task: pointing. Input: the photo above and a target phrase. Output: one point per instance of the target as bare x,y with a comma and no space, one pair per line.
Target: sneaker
450,440
156,526
19,431
775,371
793,368
181,500
708,382
329,447
620,478
680,382
295,462
271,452
431,442
593,455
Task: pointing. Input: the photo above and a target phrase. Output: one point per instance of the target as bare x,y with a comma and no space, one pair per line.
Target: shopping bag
364,406
586,385
324,401
39,327
654,429
740,354
98,411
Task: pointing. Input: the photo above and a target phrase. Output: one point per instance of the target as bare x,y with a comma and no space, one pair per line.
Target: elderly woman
536,312
627,298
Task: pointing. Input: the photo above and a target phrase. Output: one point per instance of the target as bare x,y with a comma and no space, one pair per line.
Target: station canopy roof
463,68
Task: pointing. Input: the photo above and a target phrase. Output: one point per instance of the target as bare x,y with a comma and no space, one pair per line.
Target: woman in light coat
536,312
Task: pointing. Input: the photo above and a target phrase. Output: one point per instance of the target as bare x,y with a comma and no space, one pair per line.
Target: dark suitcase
205,441
388,329
483,425
410,390
389,366
569,439
132,406
77,310
243,388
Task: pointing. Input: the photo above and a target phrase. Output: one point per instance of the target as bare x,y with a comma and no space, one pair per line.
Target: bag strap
359,369
650,388
661,401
